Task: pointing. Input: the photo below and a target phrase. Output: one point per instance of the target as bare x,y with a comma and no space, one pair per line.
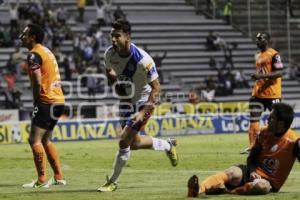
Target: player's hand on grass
254,175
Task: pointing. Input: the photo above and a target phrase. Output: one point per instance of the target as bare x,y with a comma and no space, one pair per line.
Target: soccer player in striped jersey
133,75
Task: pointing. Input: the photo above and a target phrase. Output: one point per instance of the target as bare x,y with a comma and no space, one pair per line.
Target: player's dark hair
122,25
36,31
284,112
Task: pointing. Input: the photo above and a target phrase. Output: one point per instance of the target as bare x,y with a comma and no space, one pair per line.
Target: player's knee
234,175
261,186
123,144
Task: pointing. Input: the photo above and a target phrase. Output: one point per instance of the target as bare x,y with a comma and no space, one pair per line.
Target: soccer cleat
246,151
107,186
172,154
193,186
53,181
35,184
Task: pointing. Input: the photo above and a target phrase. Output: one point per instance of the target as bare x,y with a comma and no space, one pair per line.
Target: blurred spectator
5,40
91,83
210,42
88,52
17,59
62,15
10,79
211,8
14,17
119,14
158,62
208,94
81,8
12,99
228,57
294,71
228,11
101,21
108,14
209,82
193,97
219,42
240,79
225,83
213,64
66,65
101,37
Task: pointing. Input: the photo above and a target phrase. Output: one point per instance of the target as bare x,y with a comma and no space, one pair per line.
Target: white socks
120,161
160,145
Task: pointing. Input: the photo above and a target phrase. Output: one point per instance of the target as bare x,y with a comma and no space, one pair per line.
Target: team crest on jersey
270,165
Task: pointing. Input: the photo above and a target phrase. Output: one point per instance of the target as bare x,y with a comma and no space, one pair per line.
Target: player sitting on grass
268,165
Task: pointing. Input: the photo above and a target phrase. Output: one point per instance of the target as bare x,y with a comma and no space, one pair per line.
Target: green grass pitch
148,174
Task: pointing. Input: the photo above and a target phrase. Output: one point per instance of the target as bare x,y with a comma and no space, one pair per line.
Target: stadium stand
172,26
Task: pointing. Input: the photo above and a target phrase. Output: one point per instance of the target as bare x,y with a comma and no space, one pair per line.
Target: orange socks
213,182
39,158
53,158
253,131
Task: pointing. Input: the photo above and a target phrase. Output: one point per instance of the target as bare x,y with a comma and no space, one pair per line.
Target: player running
133,75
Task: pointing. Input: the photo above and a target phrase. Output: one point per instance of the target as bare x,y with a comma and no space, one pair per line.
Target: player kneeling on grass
268,165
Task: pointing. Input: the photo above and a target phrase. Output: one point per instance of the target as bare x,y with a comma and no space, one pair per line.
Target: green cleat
172,154
35,184
246,151
107,186
53,181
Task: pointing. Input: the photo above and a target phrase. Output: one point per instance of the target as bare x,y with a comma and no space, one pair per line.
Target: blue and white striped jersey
138,69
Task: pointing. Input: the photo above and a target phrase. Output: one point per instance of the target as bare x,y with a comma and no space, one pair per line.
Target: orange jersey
267,62
40,57
276,158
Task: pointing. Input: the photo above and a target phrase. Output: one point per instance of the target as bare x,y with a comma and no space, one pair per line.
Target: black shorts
46,115
245,179
266,103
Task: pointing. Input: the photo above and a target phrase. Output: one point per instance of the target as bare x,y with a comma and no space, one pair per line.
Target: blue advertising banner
17,132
